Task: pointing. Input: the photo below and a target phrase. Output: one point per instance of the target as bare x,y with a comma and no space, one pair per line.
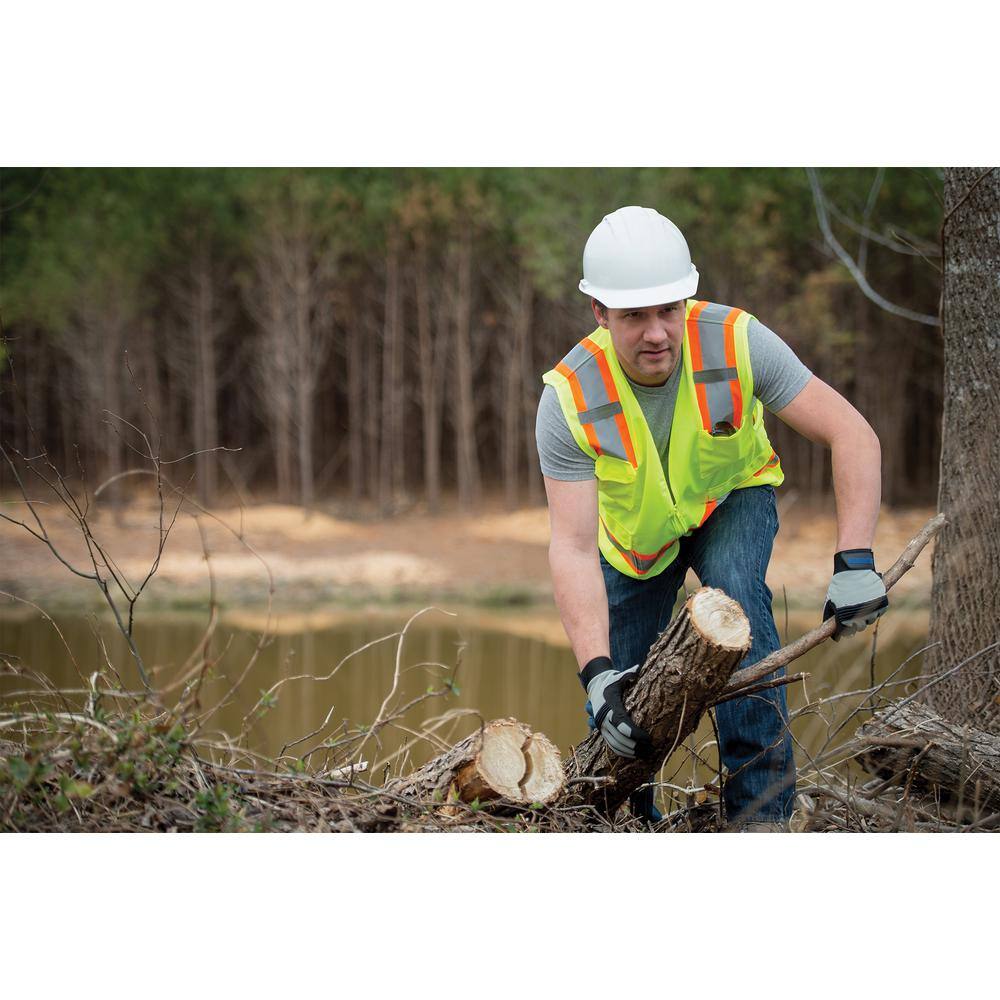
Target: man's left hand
856,596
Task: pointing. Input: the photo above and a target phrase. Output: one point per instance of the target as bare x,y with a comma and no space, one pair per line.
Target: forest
372,341
377,336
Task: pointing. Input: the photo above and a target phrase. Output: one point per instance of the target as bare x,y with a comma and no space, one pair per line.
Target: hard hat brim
638,298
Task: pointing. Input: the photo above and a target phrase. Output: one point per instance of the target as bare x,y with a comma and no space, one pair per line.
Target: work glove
640,803
857,594
606,687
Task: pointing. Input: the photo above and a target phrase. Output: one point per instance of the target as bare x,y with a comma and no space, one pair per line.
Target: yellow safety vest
717,438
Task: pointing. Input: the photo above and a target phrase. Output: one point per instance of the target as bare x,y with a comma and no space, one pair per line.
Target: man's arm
577,579
821,414
583,605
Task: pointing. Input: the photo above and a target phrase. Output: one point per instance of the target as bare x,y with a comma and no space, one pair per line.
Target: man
652,444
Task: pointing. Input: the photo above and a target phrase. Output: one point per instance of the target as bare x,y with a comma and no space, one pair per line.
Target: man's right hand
606,687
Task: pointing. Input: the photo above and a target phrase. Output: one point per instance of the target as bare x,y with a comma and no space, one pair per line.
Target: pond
335,667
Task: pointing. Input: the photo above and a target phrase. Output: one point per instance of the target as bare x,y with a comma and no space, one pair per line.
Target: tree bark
687,668
965,603
911,745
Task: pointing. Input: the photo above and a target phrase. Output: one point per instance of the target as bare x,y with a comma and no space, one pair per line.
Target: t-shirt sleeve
558,453
778,375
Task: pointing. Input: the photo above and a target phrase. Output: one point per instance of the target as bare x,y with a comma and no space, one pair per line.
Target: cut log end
504,760
545,778
720,619
500,766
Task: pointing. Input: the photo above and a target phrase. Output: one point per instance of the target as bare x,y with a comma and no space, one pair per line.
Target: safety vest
717,438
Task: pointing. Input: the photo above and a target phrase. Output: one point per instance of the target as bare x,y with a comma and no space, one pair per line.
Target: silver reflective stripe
596,413
710,329
716,375
609,438
641,564
601,411
576,357
720,403
594,393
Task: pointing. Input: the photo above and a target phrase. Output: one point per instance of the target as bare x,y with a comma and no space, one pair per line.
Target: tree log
686,670
913,745
503,760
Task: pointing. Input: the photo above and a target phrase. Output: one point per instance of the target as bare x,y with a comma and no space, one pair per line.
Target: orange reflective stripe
640,562
710,505
694,343
734,384
693,337
581,404
769,464
612,391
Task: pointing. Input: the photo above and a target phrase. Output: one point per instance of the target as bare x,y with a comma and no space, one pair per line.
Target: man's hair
601,308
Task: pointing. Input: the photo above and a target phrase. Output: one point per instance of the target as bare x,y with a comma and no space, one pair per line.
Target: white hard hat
637,258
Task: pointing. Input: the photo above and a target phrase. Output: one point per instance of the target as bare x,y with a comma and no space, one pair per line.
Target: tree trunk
354,348
430,357
911,745
392,450
205,333
965,603
371,409
467,457
687,668
512,396
504,759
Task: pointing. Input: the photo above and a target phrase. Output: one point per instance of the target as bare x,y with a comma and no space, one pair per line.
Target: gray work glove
857,594
606,687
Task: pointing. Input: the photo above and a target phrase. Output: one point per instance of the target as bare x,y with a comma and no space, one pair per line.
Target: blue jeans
730,551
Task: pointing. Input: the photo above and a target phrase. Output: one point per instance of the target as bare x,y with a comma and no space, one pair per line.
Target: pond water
515,663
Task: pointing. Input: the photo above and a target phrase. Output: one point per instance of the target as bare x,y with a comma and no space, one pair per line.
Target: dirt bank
310,557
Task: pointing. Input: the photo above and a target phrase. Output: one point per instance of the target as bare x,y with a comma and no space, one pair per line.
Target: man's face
646,340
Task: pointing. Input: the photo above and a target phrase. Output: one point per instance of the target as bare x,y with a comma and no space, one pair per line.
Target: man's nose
656,332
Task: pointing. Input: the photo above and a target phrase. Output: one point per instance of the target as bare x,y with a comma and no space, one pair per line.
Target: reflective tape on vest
640,562
769,464
595,396
711,336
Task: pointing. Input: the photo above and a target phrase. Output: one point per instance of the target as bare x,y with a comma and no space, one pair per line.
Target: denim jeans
730,551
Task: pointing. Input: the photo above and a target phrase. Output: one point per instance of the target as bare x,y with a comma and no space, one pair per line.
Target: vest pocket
724,461
617,482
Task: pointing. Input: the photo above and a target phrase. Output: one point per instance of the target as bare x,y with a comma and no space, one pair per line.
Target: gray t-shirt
778,377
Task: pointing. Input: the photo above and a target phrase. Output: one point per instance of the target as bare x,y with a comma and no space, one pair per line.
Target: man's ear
600,316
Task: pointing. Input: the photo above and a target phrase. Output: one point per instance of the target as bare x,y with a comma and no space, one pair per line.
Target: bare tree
431,346
392,451
203,301
464,416
294,264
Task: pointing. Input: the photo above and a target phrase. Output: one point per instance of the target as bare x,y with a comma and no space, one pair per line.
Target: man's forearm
582,600
857,485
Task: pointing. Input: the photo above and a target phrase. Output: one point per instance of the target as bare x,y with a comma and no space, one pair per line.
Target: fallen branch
910,742
782,657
